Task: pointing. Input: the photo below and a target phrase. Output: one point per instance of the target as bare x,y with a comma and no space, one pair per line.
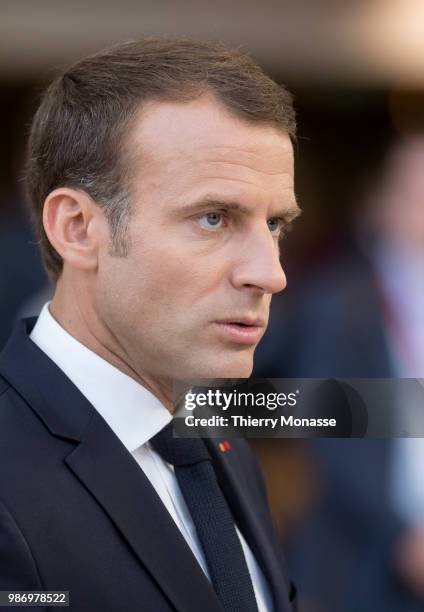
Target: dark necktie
212,518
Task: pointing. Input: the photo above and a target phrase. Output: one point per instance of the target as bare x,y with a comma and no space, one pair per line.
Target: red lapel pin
224,446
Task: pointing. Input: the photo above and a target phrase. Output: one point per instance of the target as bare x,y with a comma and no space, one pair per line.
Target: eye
275,225
212,220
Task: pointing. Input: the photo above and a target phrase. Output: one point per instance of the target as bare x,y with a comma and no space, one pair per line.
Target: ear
72,222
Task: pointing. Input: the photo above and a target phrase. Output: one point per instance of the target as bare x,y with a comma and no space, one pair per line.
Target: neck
80,321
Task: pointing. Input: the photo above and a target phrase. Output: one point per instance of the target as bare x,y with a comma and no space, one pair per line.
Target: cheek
161,286
183,280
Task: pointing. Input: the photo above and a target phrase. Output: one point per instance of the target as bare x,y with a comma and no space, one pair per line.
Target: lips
241,330
244,320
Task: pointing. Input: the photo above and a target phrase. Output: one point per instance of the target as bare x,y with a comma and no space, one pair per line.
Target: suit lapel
234,487
114,478
109,472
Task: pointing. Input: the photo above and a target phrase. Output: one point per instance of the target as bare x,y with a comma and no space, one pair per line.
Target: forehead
201,140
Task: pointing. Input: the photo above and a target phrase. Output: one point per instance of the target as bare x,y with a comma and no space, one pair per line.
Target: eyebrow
288,215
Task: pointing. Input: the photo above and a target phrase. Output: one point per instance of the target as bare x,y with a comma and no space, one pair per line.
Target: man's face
191,300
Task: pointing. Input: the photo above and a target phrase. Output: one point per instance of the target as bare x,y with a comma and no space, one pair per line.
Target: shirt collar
133,413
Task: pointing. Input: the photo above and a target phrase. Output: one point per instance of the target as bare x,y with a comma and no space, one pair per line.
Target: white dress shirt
135,415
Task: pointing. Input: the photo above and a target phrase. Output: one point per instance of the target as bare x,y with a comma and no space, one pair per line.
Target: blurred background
350,513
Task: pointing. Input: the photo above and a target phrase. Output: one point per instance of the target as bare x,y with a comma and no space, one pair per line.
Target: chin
238,366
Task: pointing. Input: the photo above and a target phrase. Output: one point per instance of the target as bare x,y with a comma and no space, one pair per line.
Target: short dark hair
78,131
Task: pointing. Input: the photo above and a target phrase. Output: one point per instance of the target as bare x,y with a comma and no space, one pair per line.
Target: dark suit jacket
77,513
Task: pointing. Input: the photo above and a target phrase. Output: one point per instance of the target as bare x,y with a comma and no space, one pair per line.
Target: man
161,178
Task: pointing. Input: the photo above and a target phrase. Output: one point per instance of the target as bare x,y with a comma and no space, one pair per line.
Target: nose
258,265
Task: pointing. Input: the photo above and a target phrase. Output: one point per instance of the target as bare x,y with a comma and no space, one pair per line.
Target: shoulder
24,439
8,399
11,406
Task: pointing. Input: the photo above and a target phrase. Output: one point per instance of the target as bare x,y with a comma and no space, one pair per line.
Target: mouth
244,330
